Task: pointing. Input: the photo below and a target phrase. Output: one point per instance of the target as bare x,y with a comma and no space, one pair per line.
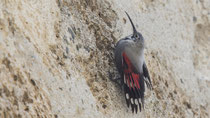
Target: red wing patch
133,84
130,75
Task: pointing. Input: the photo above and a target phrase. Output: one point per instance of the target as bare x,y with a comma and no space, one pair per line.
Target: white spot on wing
139,99
127,96
136,101
132,101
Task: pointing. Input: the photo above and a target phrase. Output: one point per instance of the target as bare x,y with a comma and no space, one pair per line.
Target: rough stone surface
55,56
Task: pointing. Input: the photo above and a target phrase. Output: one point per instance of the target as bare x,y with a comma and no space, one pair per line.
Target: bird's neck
139,44
137,49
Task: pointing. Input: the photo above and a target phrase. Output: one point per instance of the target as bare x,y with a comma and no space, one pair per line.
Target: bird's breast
136,56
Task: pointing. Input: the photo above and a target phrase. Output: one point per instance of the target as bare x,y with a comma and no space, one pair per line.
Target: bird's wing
146,76
133,84
119,48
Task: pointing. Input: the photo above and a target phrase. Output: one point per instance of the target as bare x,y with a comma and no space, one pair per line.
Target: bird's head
137,36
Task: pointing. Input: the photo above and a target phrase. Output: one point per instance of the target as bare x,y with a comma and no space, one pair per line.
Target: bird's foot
116,80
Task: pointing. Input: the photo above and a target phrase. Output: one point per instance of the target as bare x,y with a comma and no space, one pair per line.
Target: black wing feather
133,93
146,76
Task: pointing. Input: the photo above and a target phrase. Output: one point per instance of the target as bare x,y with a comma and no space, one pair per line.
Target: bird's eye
136,36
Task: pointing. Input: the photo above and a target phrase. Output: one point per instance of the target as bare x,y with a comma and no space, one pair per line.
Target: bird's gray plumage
135,50
132,47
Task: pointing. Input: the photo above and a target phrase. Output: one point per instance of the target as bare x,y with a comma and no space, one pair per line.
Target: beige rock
55,57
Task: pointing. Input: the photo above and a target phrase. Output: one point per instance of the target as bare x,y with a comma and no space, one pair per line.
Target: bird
130,63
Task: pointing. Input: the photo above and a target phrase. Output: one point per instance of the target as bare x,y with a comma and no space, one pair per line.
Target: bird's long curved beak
134,29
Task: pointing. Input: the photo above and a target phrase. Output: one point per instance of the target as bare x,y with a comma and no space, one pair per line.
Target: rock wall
55,57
